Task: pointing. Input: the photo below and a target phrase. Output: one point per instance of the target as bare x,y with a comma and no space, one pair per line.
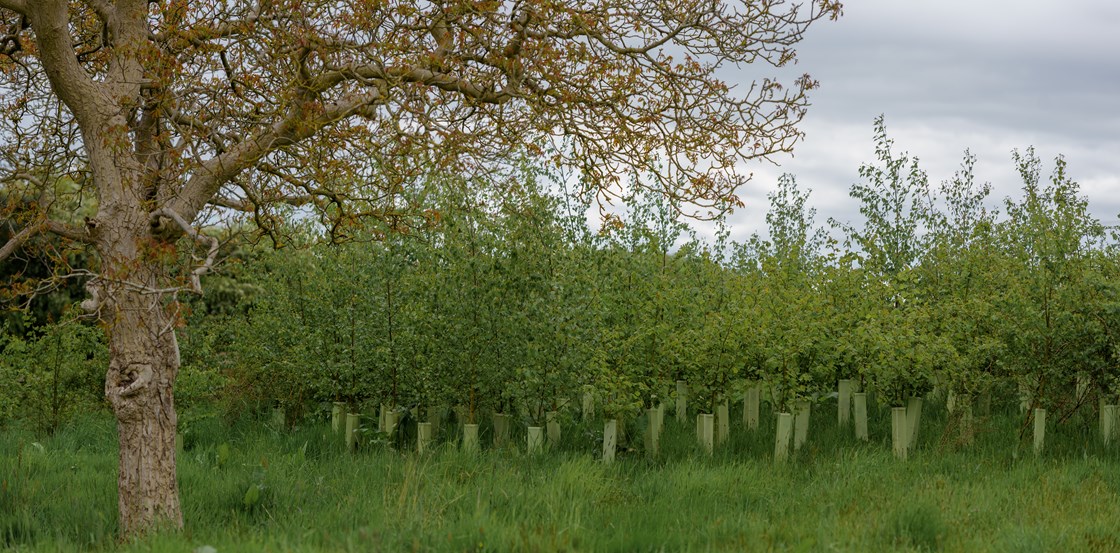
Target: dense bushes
498,304
54,372
502,303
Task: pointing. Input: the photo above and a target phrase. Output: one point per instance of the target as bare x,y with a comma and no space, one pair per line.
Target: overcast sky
986,75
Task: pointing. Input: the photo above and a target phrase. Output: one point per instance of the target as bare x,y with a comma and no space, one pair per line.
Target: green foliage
645,304
41,263
53,374
894,202
499,298
963,274
898,339
1048,242
790,315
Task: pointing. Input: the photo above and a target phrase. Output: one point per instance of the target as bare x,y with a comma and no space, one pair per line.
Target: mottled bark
144,360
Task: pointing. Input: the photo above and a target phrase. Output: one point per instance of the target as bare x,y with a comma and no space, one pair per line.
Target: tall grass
57,493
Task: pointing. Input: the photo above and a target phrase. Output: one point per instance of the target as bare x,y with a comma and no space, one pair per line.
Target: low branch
69,80
70,232
200,35
371,74
33,179
18,240
211,255
104,10
54,227
231,203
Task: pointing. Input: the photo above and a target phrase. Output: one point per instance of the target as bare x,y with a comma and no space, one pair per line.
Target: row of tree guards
712,429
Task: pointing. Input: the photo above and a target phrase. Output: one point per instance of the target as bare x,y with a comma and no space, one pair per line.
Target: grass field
247,486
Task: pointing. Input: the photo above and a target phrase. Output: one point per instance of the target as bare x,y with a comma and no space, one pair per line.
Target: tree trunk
143,363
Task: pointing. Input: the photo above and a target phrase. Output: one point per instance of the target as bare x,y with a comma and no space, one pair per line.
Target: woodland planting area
317,275
492,374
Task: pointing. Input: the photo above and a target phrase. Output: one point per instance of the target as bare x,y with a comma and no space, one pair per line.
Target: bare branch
231,203
248,206
33,179
367,73
296,126
50,20
104,10
54,227
211,255
18,240
199,35
71,232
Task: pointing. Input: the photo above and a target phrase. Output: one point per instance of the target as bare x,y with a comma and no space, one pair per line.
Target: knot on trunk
165,228
125,383
138,377
92,304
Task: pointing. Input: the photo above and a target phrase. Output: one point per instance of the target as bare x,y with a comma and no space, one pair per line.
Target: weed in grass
918,526
1025,540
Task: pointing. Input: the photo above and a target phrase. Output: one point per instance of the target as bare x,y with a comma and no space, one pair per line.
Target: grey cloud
956,74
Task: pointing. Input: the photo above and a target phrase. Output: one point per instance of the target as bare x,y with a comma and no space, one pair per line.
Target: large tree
169,114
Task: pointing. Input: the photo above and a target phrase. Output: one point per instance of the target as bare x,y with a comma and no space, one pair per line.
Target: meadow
250,485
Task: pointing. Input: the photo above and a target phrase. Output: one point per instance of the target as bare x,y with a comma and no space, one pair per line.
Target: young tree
896,201
166,110
791,261
653,294
1048,240
960,272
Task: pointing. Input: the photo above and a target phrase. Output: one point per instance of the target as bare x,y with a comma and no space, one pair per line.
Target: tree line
505,300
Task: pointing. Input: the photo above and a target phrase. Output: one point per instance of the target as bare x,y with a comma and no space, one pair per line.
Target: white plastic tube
552,427
900,440
750,407
470,438
705,427
351,431
1039,430
423,437
801,408
913,420
682,400
723,425
610,440
653,431
535,440
1108,423
859,410
337,410
501,428
782,437
843,402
